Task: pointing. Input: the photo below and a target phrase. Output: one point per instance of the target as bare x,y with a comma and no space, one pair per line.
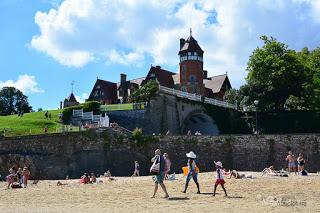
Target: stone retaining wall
57,155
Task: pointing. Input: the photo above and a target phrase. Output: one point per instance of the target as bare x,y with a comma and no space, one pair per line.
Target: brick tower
191,66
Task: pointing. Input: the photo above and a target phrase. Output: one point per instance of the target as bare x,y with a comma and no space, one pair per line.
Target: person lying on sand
273,172
85,178
93,178
61,184
234,174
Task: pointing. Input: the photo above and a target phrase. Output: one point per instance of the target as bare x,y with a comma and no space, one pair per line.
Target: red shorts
220,181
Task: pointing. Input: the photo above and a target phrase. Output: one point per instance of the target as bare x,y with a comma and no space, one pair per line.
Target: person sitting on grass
219,178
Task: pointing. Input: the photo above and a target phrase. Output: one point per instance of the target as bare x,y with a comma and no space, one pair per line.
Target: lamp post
256,102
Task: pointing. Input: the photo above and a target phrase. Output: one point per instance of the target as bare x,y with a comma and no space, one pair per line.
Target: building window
193,78
182,107
184,68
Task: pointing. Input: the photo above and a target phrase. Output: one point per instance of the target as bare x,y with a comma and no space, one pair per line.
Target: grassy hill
31,123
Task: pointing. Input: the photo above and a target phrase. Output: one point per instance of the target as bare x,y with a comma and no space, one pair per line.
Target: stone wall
58,155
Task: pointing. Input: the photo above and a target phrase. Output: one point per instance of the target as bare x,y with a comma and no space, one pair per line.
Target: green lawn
31,123
114,107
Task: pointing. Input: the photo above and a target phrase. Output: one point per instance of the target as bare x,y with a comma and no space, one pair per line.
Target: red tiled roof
164,77
108,88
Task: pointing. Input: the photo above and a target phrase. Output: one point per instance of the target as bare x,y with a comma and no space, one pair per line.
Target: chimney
205,74
61,105
182,42
123,78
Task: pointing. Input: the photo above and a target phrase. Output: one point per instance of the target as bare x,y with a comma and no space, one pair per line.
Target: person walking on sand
291,162
301,163
158,168
192,171
26,176
219,178
136,169
167,165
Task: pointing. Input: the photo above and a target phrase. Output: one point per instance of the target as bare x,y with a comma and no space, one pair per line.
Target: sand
133,194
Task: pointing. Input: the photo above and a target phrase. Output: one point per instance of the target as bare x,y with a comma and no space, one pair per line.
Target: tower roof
190,45
71,98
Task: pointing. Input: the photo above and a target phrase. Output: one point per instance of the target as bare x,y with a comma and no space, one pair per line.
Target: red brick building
191,78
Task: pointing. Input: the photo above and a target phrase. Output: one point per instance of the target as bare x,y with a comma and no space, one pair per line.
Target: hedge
87,107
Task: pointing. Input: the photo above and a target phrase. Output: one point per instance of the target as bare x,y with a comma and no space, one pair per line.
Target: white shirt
219,174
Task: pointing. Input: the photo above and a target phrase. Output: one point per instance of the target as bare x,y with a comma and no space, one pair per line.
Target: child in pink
219,178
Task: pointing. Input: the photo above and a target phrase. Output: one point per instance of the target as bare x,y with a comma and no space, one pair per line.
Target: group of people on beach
294,163
18,178
160,170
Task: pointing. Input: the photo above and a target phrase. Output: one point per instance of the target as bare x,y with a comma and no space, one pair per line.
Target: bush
145,93
87,107
137,134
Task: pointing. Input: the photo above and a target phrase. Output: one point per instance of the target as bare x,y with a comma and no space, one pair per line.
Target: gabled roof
108,88
176,78
71,98
215,83
137,80
164,77
191,45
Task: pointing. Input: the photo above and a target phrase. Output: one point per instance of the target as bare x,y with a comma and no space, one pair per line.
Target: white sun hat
218,163
191,155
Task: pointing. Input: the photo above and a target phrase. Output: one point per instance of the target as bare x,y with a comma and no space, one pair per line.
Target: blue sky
45,44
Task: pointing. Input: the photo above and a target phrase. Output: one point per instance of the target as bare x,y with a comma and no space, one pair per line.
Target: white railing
87,116
219,103
96,118
77,113
196,97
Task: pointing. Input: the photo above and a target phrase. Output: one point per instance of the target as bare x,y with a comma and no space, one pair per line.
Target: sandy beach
133,194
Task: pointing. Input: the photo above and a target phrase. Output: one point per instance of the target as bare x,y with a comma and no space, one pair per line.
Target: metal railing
195,97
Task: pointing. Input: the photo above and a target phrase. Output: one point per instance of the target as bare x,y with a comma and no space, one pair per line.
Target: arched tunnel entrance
200,122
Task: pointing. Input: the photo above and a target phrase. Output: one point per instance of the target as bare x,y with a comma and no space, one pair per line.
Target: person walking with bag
192,171
158,169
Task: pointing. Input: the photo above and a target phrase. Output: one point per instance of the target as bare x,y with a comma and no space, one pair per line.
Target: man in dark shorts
159,159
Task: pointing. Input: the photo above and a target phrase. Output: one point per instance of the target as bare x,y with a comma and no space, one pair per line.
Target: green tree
145,93
275,73
13,101
311,87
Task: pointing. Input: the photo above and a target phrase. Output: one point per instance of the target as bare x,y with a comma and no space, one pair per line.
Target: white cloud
82,98
25,83
129,32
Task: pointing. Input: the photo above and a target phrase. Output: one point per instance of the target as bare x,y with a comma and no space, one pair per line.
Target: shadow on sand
179,198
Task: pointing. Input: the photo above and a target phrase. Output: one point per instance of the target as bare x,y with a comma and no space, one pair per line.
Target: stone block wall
58,155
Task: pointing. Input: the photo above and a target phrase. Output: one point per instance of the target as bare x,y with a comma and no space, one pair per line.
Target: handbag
155,168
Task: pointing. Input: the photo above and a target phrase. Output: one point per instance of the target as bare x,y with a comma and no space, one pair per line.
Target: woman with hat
192,171
219,178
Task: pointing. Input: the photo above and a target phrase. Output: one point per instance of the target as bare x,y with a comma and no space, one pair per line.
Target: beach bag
155,168
304,173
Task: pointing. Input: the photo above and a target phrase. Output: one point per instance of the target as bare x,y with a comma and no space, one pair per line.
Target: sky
47,44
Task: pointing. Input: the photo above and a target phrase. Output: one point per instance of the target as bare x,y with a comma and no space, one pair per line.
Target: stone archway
199,121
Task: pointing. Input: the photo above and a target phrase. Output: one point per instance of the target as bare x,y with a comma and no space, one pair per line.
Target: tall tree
275,73
13,101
